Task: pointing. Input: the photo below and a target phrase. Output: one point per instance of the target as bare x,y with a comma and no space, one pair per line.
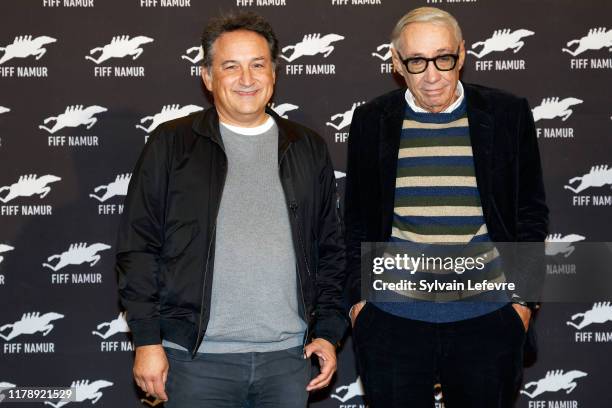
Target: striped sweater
437,200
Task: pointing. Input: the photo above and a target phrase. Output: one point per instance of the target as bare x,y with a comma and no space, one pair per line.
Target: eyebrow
438,51
237,62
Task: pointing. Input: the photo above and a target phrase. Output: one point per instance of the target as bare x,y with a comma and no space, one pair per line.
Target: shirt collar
459,92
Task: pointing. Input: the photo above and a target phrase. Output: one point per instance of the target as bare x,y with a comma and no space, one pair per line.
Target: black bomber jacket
166,240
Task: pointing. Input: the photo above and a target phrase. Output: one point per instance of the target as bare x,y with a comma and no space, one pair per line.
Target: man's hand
151,370
326,352
355,311
524,313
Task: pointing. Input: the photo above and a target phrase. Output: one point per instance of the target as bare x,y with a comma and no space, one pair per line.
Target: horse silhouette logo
168,112
84,390
596,39
74,116
354,389
5,386
118,325
29,185
118,187
557,244
501,40
386,55
311,44
345,117
598,176
601,312
283,108
197,52
551,108
120,46
554,381
4,109
25,46
30,323
77,254
4,248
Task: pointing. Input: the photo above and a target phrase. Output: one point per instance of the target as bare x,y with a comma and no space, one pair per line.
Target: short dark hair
245,20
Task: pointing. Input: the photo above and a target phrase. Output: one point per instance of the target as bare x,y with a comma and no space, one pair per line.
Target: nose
432,74
246,77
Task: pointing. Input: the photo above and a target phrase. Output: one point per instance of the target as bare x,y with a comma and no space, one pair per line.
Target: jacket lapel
482,132
389,138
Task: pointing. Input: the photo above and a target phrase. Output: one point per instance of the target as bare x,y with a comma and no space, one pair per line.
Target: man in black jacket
440,162
230,256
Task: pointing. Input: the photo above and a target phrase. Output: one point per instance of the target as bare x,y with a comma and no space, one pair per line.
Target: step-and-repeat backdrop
84,82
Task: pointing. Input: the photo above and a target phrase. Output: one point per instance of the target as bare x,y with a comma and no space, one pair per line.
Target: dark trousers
274,379
478,362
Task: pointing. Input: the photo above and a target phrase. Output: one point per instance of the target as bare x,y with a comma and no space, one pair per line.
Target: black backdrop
96,142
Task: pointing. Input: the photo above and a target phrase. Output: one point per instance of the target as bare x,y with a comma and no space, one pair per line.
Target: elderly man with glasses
440,162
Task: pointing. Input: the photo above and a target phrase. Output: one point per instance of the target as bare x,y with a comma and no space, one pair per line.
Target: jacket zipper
293,207
212,238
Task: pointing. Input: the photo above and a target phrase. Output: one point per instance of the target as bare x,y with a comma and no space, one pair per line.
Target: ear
207,77
461,55
398,65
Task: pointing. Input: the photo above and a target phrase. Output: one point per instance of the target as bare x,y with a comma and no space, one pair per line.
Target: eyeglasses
445,62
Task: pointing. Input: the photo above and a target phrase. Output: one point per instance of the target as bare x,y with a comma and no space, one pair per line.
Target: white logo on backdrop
354,389
598,176
30,323
73,116
118,187
84,390
4,248
197,57
387,53
4,109
551,108
345,117
312,44
29,185
25,46
554,381
501,40
77,254
283,108
118,325
596,39
168,112
601,312
5,386
120,46
558,244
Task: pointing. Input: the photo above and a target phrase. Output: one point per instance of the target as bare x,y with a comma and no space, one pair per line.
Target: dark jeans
479,361
274,379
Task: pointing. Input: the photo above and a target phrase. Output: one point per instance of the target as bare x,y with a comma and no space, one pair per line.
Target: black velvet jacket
507,165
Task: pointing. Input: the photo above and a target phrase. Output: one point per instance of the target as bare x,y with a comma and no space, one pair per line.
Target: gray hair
233,22
425,15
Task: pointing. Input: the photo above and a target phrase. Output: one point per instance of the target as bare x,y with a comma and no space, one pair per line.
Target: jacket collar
206,124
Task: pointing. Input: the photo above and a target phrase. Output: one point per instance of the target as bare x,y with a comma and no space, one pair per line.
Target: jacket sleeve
353,220
330,323
532,210
140,240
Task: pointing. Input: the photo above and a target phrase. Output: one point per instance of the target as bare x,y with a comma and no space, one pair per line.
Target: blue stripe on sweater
457,131
467,161
435,191
445,220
